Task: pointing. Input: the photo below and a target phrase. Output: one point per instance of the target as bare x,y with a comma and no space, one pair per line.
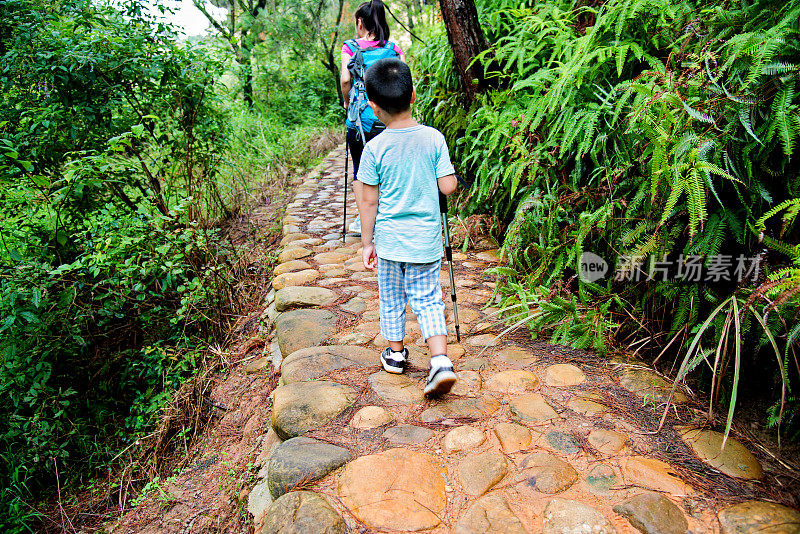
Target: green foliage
108,277
294,92
642,131
120,152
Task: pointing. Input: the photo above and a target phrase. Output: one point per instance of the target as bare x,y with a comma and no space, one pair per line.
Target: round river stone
302,459
396,489
303,406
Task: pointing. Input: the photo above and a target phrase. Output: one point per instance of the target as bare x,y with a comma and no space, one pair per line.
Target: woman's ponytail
373,15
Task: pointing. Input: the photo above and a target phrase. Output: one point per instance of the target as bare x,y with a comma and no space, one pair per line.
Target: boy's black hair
389,85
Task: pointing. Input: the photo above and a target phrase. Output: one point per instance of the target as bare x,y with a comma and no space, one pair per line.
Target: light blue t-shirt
406,164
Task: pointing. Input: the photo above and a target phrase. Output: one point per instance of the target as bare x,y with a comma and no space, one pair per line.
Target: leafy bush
110,278
119,156
642,131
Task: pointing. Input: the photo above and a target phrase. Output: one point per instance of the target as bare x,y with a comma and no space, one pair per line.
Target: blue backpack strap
358,93
352,45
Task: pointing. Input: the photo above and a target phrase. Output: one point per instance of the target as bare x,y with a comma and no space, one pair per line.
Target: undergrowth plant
120,158
660,136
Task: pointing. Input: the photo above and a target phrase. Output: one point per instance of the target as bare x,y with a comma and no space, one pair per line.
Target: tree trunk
331,62
467,41
248,86
247,68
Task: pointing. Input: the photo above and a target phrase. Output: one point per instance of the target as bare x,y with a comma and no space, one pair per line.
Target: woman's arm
345,79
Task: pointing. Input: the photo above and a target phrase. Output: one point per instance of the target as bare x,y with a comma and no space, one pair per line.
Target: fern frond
698,115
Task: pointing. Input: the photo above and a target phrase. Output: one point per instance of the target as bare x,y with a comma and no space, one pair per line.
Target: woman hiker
358,54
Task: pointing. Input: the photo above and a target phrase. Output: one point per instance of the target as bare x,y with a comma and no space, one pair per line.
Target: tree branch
199,4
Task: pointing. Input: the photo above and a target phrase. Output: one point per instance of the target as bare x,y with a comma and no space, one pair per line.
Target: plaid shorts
418,283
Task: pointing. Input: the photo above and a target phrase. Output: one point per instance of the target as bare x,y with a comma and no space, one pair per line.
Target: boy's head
389,85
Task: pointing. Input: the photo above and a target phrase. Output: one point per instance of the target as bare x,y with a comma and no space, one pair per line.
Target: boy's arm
368,210
447,184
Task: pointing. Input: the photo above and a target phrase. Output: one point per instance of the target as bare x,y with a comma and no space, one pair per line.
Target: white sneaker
441,378
355,226
394,362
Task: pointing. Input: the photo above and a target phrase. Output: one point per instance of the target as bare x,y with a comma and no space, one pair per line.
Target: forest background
646,132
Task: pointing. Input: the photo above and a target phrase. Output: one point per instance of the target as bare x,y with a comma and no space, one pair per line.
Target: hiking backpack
358,89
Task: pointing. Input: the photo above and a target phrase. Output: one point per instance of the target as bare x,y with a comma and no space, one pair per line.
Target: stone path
534,438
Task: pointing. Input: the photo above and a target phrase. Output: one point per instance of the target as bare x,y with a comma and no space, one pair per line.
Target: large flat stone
291,266
315,362
586,407
302,297
465,315
648,385
513,381
563,442
608,442
512,437
258,501
653,474
652,513
532,408
469,383
371,417
303,406
310,242
564,375
353,338
326,258
563,516
288,238
474,364
734,460
297,278
759,517
483,340
517,358
480,472
302,459
355,305
471,407
298,329
545,473
396,489
405,434
395,388
602,478
463,438
490,514
302,512
293,253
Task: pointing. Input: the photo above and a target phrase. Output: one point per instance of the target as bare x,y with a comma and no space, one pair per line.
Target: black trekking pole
344,217
448,252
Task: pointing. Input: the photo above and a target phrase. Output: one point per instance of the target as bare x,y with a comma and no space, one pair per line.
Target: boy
406,166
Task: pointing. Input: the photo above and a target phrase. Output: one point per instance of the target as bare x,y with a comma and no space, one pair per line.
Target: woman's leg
356,148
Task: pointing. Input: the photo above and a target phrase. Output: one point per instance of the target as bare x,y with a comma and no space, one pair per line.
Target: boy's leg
392,299
425,294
